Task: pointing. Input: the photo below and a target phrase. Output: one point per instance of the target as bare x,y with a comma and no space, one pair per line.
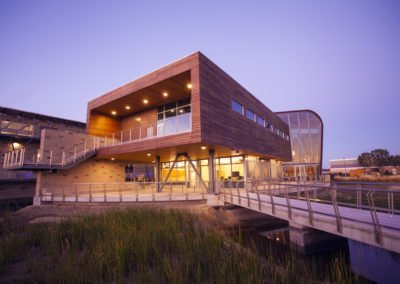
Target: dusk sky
338,58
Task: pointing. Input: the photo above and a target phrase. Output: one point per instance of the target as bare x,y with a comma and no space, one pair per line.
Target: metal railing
121,192
52,158
145,132
261,193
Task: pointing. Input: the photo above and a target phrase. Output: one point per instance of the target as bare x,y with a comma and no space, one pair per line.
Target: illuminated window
16,128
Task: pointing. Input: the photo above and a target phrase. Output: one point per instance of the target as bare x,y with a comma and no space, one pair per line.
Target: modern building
22,130
188,123
306,137
346,167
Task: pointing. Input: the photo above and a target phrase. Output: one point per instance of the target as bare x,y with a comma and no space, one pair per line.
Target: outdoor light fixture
113,112
112,159
145,101
127,107
203,147
138,119
148,154
16,145
181,110
189,86
153,161
165,94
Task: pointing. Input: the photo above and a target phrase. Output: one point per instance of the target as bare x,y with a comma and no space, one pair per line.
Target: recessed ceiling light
165,94
113,112
203,147
153,161
145,101
189,86
138,119
181,110
112,159
148,154
127,107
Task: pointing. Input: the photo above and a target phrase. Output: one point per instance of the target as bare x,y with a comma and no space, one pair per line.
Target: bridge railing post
310,211
238,192
359,200
374,217
336,209
247,194
287,191
258,198
271,199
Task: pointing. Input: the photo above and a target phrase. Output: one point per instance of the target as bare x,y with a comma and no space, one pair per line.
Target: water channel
271,237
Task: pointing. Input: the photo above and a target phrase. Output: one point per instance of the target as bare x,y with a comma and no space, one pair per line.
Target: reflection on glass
306,143
174,118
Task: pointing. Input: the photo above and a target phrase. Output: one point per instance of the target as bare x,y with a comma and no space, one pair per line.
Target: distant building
345,166
20,129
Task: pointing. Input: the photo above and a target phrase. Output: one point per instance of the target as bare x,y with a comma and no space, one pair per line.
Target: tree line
378,158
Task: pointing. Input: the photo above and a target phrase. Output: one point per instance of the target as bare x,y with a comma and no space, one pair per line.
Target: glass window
16,128
184,102
260,121
250,115
236,160
184,117
237,107
225,161
174,118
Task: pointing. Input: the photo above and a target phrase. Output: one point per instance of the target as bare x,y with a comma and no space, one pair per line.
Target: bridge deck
350,222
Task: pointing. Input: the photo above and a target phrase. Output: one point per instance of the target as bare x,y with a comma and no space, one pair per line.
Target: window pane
237,107
184,122
249,114
170,125
184,102
260,121
170,106
225,160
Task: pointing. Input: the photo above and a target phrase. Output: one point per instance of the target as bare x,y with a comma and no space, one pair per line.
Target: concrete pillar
158,173
36,198
308,240
211,170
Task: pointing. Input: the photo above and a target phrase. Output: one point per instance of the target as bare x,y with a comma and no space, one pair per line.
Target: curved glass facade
306,133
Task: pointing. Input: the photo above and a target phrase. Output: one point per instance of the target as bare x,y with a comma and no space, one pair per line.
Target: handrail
367,200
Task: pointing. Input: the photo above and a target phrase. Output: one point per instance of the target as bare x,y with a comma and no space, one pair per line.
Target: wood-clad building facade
190,106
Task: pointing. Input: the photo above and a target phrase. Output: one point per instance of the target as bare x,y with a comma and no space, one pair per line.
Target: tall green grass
141,246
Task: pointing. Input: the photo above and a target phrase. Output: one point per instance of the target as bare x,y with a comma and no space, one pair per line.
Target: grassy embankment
144,246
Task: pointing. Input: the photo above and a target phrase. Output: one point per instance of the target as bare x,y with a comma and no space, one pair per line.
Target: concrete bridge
365,214
368,215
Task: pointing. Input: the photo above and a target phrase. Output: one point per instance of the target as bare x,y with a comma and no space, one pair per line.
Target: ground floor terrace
112,179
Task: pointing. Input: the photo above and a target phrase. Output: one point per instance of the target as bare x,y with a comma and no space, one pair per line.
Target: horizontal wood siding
101,125
220,125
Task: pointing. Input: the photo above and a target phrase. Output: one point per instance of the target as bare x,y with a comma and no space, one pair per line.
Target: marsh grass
143,246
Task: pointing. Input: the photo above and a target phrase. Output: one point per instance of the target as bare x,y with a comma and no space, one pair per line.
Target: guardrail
262,192
121,192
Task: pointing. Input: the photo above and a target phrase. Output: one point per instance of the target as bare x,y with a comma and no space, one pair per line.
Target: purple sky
338,58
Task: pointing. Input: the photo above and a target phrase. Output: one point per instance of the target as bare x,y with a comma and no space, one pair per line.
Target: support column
36,198
158,173
308,240
211,170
